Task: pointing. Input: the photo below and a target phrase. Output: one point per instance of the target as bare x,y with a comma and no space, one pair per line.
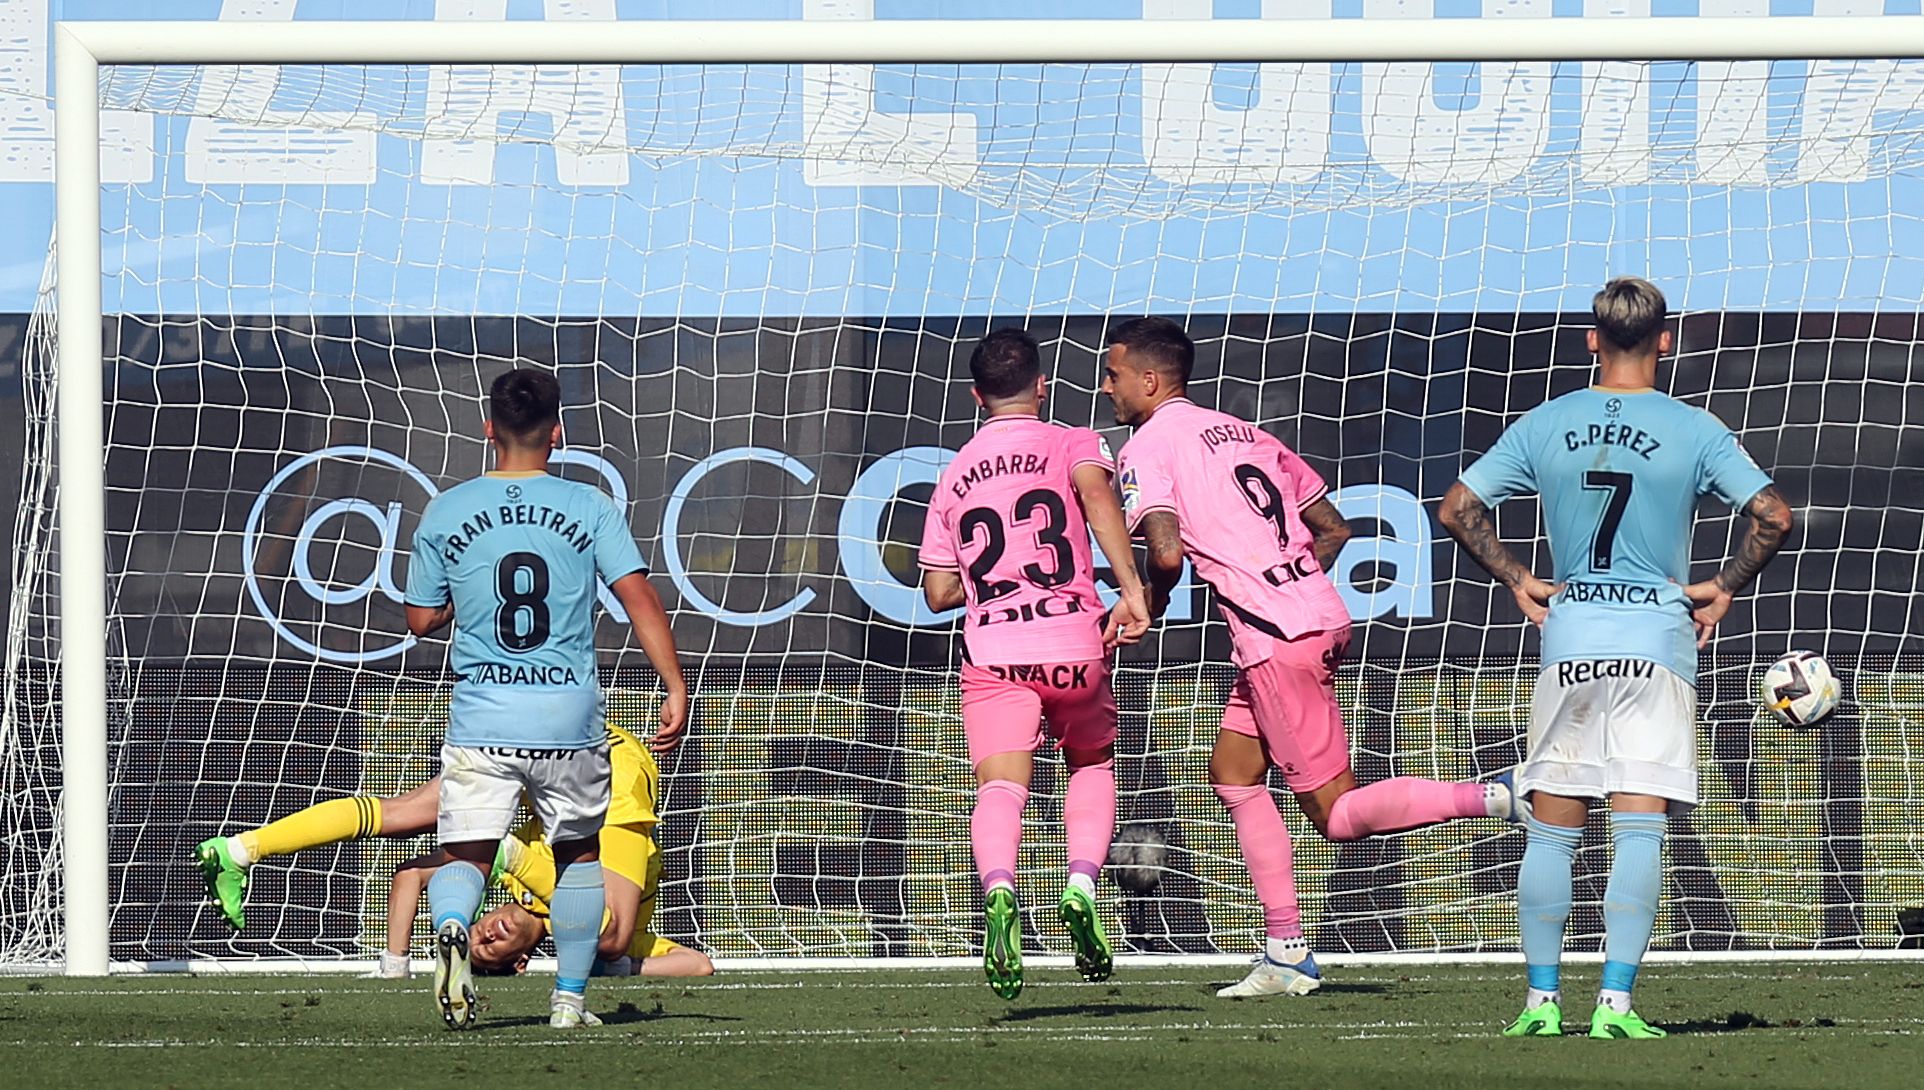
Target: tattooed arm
1469,522
1770,525
1164,536
1329,531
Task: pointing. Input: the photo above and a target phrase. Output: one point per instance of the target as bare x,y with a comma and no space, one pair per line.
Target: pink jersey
1238,494
1006,517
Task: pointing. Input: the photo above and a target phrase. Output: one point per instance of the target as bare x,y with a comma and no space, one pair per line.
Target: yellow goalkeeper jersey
635,780
627,842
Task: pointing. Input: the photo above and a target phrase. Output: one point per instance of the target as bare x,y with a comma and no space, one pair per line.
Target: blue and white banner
781,504
1012,189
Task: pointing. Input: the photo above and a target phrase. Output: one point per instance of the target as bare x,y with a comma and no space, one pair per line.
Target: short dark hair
510,968
1629,313
524,403
1005,363
1161,343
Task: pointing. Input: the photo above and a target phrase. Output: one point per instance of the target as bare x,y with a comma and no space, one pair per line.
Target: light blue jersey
517,554
1619,474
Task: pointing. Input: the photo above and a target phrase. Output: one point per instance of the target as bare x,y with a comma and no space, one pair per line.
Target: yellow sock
322,823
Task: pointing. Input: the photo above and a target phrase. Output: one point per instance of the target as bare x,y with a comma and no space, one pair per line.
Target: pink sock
1266,852
995,828
1089,813
1402,803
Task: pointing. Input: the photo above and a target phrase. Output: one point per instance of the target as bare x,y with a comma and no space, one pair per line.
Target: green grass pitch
1418,1027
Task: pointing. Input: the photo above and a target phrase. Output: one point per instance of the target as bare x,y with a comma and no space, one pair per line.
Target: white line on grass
1345,1031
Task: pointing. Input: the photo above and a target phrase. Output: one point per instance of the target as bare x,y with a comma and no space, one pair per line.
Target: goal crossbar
82,47
995,41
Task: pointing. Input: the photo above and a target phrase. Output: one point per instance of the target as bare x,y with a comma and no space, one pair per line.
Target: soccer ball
1799,689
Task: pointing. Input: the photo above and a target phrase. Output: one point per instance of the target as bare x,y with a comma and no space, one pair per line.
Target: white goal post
82,48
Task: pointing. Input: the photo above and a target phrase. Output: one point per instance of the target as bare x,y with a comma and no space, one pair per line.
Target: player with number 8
1255,520
511,558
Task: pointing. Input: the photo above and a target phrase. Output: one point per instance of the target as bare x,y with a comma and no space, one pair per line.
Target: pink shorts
1004,707
1288,701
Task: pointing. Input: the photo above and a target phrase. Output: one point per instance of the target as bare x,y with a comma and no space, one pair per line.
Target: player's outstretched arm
1469,522
403,903
657,640
1329,531
941,589
1163,534
1770,525
1097,494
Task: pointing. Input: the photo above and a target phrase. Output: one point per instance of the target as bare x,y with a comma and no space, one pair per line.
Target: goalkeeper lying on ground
631,867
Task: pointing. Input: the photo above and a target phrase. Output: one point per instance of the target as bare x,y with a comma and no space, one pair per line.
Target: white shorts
482,787
1600,727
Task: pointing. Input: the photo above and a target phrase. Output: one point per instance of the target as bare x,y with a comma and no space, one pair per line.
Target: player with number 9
1256,521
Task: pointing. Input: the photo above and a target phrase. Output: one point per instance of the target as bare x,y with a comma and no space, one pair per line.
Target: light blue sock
575,918
1630,900
455,892
1543,900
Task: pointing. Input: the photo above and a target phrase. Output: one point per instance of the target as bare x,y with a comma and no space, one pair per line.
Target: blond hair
1629,312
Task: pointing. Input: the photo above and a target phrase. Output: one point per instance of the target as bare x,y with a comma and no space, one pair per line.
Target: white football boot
566,1010
1267,977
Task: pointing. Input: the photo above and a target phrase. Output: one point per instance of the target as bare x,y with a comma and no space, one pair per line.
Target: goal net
759,285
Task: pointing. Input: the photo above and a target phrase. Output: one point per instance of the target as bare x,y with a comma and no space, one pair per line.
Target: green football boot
1002,944
1608,1025
1094,960
1543,1020
225,879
